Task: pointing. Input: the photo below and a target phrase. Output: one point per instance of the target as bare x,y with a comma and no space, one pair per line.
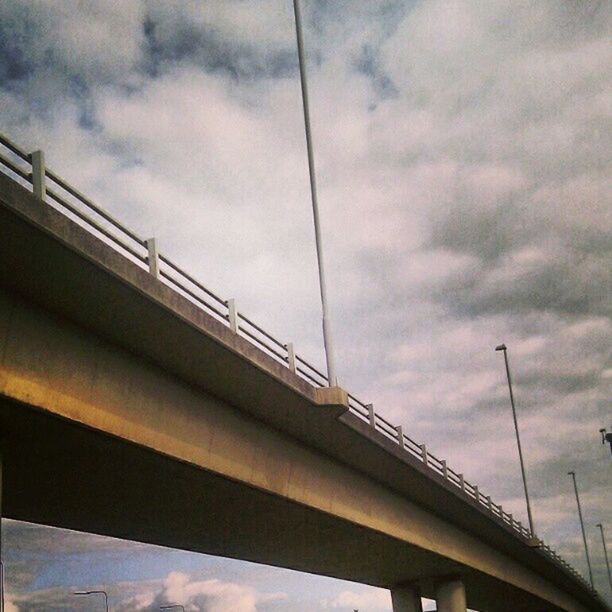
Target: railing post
477,493
291,356
424,453
153,257
444,469
38,174
371,415
233,315
490,503
462,482
400,435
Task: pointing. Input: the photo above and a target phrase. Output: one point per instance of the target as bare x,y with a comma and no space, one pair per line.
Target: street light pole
95,593
327,334
504,349
603,541
606,437
586,547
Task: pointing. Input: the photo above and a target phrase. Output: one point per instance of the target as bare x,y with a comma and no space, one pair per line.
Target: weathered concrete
406,599
121,389
450,595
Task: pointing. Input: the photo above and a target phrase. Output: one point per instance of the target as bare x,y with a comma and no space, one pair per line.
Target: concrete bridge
127,410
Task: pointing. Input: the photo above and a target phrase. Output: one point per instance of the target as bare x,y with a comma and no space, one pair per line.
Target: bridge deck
50,264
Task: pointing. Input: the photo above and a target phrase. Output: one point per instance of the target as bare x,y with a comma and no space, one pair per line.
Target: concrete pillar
406,599
450,596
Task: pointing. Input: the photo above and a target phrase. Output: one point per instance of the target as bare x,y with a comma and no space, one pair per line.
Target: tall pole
327,335
586,547
502,347
603,541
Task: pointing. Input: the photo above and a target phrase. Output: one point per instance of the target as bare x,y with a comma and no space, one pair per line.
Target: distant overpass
135,403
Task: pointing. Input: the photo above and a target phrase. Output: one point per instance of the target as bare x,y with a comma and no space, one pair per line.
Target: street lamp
586,547
172,606
606,437
95,593
327,335
603,541
504,349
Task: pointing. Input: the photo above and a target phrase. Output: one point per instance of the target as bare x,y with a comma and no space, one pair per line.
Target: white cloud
9,606
211,595
371,599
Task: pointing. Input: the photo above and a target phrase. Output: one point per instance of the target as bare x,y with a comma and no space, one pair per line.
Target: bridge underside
63,475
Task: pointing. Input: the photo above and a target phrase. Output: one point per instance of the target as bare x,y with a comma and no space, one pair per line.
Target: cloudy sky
463,158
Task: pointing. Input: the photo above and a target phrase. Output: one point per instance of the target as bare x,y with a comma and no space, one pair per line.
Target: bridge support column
450,596
406,599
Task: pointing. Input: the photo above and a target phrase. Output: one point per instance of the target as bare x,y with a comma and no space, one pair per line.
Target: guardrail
29,170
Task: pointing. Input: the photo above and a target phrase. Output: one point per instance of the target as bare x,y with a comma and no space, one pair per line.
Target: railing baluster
291,356
424,454
39,187
233,315
400,436
152,257
371,415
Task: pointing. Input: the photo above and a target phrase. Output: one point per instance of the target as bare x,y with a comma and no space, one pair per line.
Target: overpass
136,403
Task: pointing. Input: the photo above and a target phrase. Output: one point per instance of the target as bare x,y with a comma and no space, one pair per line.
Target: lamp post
606,437
504,349
586,547
327,335
603,541
95,593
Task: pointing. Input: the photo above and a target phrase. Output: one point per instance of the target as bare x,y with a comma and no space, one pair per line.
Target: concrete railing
29,169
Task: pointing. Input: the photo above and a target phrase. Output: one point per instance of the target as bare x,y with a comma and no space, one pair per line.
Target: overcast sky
463,158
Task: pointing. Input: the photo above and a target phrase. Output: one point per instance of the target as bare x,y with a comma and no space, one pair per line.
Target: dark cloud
171,39
367,63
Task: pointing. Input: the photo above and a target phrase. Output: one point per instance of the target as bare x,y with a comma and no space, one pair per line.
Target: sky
463,153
